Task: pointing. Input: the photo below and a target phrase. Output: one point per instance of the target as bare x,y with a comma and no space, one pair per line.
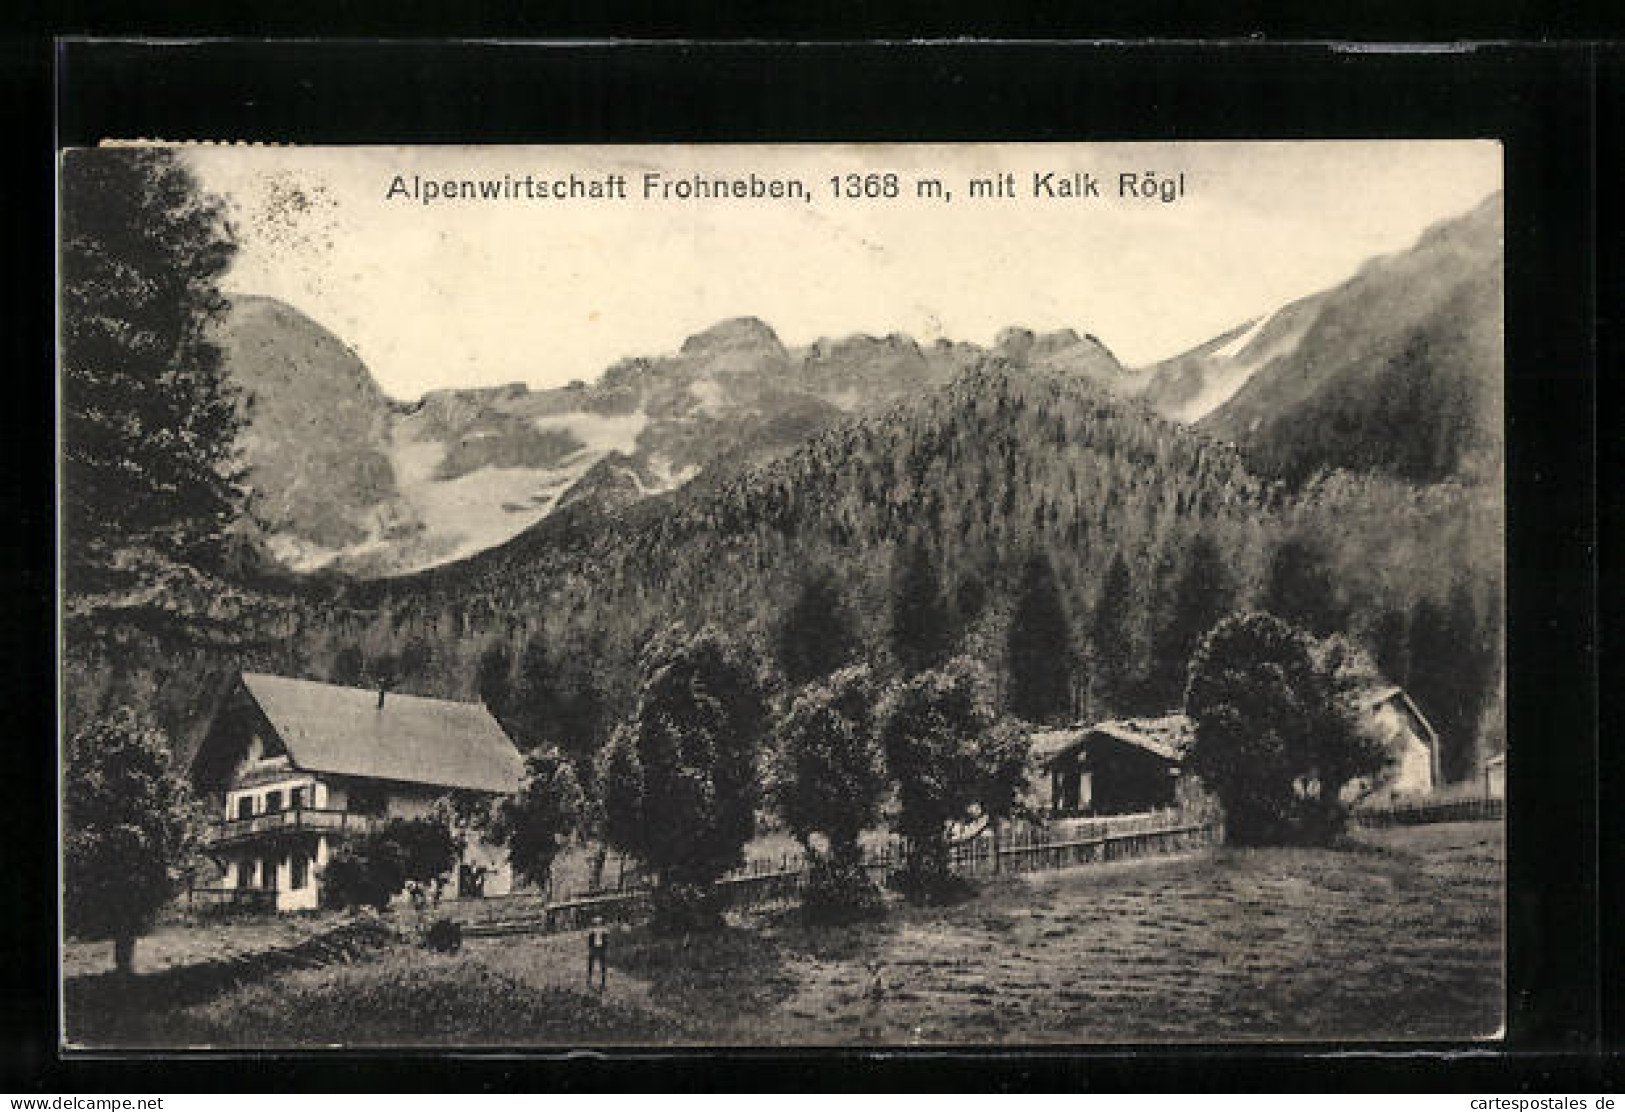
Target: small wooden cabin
1118,767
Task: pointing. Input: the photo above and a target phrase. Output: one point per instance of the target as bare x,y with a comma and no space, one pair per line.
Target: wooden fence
1471,809
760,884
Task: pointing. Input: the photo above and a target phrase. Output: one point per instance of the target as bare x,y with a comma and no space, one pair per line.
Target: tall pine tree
1114,650
1301,590
149,420
921,629
1038,648
816,634
1202,595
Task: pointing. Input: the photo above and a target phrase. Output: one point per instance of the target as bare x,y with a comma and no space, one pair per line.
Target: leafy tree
681,788
931,727
1111,636
1273,741
921,632
536,824
1201,596
816,634
829,775
1301,590
1038,648
829,779
149,421
129,830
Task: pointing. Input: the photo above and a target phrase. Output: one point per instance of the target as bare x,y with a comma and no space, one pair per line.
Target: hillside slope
1398,370
318,432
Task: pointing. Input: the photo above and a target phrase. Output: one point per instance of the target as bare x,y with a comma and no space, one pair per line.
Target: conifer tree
921,633
1110,634
816,634
1038,648
149,420
1301,590
1201,596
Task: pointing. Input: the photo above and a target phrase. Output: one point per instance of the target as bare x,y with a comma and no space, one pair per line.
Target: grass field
1397,937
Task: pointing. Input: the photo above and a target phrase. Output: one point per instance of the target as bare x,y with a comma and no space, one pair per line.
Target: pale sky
469,292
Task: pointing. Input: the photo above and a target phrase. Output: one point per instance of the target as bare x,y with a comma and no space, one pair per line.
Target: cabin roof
1371,698
1166,737
344,731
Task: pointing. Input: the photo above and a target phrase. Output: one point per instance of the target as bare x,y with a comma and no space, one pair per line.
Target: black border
1540,100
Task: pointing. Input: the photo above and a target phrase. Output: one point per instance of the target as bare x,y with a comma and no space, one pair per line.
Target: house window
296,798
245,874
298,870
273,801
269,879
245,807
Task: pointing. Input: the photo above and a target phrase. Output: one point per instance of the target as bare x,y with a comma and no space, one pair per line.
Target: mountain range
1396,370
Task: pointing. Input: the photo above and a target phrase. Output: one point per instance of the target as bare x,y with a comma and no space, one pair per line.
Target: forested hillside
1004,463
1398,371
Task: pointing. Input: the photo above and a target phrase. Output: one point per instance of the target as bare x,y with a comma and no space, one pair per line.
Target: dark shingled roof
1167,737
343,730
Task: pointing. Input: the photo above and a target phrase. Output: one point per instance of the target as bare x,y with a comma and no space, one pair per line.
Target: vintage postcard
810,595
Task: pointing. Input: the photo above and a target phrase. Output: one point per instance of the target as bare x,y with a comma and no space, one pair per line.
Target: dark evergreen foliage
1112,637
1202,595
1300,588
1038,648
817,633
1454,654
149,423
921,632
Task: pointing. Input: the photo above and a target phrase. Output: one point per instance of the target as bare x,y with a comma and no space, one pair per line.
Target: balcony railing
291,820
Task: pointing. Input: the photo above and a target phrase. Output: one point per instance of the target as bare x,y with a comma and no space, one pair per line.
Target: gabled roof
1371,698
1166,737
343,731
1048,744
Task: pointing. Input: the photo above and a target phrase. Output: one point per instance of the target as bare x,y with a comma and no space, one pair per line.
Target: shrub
684,908
368,872
839,892
444,936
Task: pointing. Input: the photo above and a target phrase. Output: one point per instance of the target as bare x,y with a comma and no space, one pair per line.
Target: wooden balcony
292,820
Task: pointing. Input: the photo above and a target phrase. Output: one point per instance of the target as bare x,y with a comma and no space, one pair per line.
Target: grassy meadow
1398,936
